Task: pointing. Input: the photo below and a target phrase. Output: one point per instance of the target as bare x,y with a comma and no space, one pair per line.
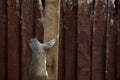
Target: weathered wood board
85,24
89,38
51,29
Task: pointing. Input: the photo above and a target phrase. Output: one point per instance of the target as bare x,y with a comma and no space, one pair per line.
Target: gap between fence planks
61,59
51,29
3,39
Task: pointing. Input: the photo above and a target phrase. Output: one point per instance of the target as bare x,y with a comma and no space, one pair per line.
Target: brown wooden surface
38,31
84,40
117,9
27,33
99,40
51,29
111,44
3,43
13,41
89,39
61,59
70,23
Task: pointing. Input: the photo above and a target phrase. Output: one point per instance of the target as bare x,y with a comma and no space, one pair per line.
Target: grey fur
38,65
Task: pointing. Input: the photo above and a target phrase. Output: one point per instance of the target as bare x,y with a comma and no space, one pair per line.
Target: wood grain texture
84,39
111,44
117,2
118,52
99,40
27,17
70,26
13,41
38,23
3,43
89,46
51,29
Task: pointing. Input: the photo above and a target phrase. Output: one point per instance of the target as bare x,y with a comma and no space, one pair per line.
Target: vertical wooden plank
70,25
27,18
111,44
99,40
51,29
38,24
61,59
118,51
3,29
85,10
13,40
117,8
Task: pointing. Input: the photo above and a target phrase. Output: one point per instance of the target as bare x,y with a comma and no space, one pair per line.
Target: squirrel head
35,45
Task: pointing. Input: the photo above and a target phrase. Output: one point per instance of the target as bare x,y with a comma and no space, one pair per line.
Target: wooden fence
18,23
89,39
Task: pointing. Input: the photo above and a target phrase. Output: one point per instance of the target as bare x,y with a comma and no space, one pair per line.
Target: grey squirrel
38,64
